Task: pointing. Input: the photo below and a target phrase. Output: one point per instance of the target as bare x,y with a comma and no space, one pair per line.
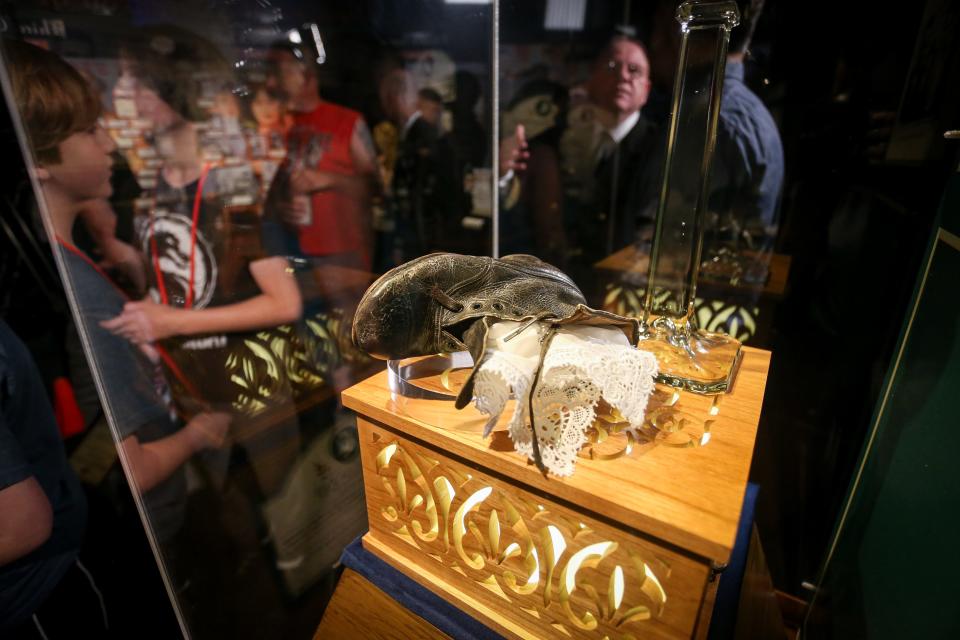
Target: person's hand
294,211
146,321
514,152
306,181
209,430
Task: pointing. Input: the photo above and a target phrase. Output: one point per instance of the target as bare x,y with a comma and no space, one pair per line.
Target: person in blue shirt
746,176
43,511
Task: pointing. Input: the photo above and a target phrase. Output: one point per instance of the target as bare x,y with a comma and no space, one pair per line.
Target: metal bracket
716,568
402,373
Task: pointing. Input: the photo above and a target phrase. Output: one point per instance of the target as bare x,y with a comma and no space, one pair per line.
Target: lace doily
582,365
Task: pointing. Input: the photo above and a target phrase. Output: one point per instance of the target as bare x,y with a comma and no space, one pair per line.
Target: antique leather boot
445,302
426,305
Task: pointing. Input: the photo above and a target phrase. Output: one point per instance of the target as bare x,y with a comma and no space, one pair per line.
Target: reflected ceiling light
318,43
310,31
565,15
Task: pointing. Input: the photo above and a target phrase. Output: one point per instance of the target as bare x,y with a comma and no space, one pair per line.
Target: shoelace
450,304
544,346
444,300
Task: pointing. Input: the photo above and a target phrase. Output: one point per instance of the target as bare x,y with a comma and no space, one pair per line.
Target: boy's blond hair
53,99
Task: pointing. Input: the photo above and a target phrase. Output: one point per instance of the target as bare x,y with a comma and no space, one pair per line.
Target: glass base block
699,361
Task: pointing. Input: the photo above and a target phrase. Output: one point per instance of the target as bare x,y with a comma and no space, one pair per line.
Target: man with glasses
627,164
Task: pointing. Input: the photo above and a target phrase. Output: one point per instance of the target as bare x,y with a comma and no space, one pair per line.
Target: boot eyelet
475,306
498,306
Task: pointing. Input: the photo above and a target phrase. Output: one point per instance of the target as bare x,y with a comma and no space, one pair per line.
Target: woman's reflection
267,141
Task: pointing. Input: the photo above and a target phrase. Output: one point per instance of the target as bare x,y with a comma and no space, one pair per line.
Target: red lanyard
168,360
83,256
197,200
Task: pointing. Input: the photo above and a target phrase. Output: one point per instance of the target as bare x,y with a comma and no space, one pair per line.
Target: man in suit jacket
628,157
425,203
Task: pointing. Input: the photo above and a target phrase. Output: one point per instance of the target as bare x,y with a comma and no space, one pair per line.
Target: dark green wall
894,570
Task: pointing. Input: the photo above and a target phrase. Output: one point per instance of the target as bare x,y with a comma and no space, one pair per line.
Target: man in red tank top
325,186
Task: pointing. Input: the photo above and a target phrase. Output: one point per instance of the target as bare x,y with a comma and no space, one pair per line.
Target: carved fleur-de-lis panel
562,570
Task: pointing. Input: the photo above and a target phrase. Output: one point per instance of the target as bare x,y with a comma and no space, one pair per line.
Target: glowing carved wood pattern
551,571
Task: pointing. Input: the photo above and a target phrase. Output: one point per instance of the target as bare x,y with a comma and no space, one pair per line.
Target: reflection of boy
73,167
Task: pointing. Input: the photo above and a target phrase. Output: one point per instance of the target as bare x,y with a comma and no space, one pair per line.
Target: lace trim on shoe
582,365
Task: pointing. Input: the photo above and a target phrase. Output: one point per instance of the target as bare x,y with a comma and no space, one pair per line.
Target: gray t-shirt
134,386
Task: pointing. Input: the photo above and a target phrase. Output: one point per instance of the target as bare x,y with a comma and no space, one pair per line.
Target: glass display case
220,182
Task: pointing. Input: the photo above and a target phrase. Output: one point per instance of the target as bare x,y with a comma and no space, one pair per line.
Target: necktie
606,187
605,149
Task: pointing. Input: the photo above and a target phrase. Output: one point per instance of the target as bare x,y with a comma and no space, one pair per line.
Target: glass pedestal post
689,358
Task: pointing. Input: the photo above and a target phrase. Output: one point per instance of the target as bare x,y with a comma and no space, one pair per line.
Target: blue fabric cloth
748,167
724,620
460,625
420,600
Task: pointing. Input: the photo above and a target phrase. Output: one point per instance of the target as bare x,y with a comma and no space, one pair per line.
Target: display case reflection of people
73,167
216,286
425,196
322,192
627,155
533,215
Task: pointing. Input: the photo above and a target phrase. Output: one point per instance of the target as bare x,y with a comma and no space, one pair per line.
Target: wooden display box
627,547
